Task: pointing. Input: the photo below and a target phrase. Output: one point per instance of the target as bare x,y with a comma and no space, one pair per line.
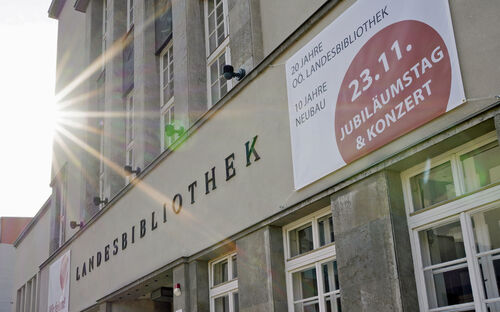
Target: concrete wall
67,149
281,18
373,246
145,305
257,191
7,262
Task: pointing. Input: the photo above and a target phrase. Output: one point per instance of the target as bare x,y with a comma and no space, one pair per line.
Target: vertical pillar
190,87
373,248
181,276
105,307
146,85
114,126
198,286
95,102
246,33
261,271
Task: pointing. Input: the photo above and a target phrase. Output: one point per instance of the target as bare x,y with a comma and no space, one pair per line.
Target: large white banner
380,70
59,272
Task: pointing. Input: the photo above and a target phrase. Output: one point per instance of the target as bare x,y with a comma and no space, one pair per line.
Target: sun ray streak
149,190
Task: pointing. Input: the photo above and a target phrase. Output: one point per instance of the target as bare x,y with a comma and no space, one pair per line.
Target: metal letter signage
379,71
58,298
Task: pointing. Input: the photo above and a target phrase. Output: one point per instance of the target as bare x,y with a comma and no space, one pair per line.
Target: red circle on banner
63,271
398,81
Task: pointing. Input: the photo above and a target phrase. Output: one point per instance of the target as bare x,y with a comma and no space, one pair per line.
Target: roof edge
56,8
33,221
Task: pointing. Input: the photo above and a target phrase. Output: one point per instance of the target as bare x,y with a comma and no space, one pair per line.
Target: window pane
223,89
221,304
490,271
235,267
236,302
215,93
165,61
211,23
332,304
492,307
212,43
214,73
210,6
310,306
432,186
301,240
222,62
220,14
450,287
486,227
442,244
305,284
220,35
481,166
330,276
220,272
325,228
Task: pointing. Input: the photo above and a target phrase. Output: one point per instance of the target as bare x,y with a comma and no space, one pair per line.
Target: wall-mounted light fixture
177,290
98,201
128,169
170,130
74,224
230,74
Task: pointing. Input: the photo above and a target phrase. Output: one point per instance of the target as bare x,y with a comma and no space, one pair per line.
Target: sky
27,66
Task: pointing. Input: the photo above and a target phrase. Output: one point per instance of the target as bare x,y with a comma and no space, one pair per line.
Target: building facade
178,189
10,228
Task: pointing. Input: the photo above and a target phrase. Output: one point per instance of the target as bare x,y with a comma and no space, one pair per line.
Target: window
167,94
129,129
101,161
461,171
130,14
219,86
27,296
217,43
456,241
104,28
58,222
224,284
311,268
216,26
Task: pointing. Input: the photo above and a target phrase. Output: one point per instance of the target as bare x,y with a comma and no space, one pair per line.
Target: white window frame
167,105
130,130
314,258
104,30
221,48
101,163
130,14
460,209
61,193
226,288
169,111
